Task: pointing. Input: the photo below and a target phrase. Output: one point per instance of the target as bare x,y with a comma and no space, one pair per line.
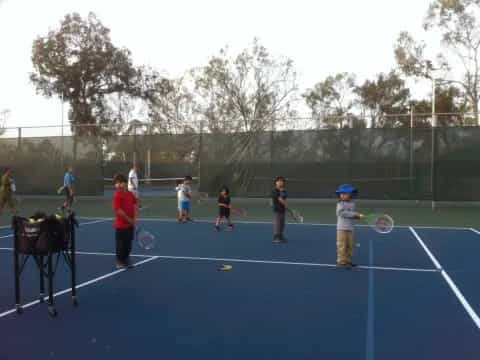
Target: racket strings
381,223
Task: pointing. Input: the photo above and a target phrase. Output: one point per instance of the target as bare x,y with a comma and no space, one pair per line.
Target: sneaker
188,219
276,239
121,265
217,228
352,264
230,227
129,264
342,265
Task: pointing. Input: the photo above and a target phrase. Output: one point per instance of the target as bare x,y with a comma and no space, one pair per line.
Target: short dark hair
179,181
119,178
278,178
225,188
188,177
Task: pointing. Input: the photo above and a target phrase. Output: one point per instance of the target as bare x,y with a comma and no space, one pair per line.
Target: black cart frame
47,264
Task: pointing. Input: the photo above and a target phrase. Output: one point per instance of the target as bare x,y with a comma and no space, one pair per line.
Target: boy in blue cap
345,215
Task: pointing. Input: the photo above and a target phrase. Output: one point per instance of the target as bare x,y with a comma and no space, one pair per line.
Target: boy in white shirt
185,199
133,183
179,190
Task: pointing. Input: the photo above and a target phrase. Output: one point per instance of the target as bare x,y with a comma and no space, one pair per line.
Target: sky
322,37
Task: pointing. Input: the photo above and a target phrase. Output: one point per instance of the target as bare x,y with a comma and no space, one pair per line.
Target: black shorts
223,212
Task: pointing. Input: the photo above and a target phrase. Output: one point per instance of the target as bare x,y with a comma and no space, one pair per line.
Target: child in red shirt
125,207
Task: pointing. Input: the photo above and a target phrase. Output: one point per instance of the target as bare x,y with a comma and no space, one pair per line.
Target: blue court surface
415,295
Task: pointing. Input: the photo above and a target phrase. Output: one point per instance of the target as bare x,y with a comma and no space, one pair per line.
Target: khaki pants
345,246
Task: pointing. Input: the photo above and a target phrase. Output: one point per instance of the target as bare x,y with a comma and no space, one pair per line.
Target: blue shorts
185,205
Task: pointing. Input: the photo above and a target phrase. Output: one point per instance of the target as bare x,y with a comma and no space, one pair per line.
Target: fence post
134,144
19,140
432,167
410,172
350,148
199,156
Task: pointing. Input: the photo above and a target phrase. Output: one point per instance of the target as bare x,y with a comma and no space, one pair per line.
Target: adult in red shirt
125,207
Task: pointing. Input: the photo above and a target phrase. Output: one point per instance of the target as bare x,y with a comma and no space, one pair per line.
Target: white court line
148,219
94,218
475,231
253,261
97,221
87,223
93,253
288,263
30,304
449,281
110,254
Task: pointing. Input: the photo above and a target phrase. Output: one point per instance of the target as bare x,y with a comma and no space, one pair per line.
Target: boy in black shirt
224,208
279,204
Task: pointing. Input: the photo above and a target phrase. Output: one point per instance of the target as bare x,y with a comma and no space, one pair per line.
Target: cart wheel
52,311
19,309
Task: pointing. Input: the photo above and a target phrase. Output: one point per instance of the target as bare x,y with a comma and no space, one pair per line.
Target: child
345,215
125,207
279,204
179,190
185,197
69,188
7,191
224,208
133,184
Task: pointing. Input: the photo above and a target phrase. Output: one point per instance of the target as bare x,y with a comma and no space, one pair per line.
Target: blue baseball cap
346,189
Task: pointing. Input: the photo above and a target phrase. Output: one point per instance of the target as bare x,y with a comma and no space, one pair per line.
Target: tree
450,105
332,100
249,93
456,22
79,63
170,104
386,95
240,98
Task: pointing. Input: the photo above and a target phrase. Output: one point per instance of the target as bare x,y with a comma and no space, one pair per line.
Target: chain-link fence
418,163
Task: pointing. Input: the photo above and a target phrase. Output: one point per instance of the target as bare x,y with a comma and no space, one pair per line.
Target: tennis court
415,295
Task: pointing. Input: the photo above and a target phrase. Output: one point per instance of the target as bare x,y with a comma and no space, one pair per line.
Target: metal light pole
61,131
434,125
412,107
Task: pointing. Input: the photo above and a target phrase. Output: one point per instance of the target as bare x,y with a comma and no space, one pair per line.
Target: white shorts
134,192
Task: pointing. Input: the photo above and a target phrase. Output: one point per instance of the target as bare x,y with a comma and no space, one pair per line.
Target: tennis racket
145,239
295,215
381,223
